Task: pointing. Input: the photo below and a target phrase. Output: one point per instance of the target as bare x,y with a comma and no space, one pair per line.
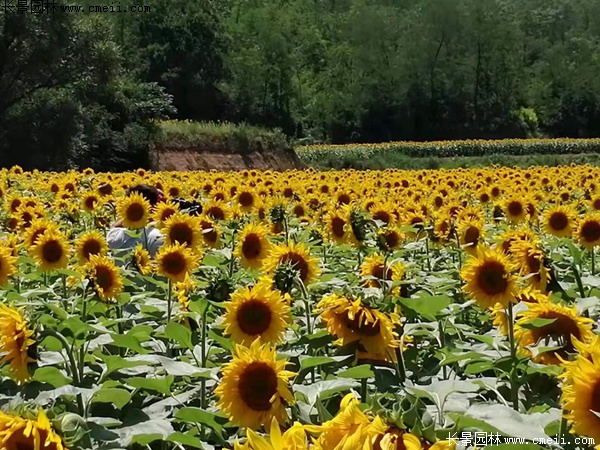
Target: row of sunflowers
374,310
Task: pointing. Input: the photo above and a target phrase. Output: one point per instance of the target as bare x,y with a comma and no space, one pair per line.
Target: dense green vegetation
83,89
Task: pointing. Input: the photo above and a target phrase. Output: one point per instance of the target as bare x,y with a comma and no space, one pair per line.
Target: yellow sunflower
292,439
253,246
298,256
183,229
254,388
8,266
488,278
588,231
390,238
257,313
515,209
559,220
106,277
386,437
134,210
210,233
581,398
377,270
528,295
36,229
163,211
18,433
89,244
531,262
15,343
176,261
566,324
51,251
353,322
142,260
347,430
90,202
338,227
470,235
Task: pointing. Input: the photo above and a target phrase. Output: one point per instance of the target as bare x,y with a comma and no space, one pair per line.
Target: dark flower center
252,246
257,385
337,227
515,208
182,234
360,326
590,231
52,251
135,212
558,221
246,199
254,317
91,247
491,278
174,263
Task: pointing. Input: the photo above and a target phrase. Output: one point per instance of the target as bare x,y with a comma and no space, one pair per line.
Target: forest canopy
86,89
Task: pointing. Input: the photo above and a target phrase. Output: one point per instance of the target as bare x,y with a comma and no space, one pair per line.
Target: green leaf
186,440
74,327
180,334
115,363
309,362
536,323
200,416
222,341
52,376
116,396
130,342
358,372
428,307
160,385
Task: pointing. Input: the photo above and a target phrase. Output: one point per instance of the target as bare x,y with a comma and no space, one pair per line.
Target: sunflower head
296,255
489,279
559,220
377,271
106,277
90,244
183,229
51,250
134,210
253,245
254,388
176,261
16,343
8,265
588,231
256,313
142,260
22,433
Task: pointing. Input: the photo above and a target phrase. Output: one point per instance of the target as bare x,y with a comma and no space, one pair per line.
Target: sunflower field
367,310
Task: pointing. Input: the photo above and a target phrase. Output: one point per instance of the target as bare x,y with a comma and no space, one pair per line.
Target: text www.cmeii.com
52,6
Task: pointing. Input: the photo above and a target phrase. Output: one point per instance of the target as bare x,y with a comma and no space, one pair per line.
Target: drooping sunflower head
530,259
489,279
51,251
559,220
90,244
253,245
15,343
298,257
254,388
256,313
134,210
106,277
353,322
142,260
564,324
588,231
176,261
8,266
18,433
183,229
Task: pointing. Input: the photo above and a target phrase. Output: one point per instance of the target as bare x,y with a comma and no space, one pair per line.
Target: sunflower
588,232
566,324
89,244
8,266
245,200
183,229
90,202
386,437
506,239
257,313
580,396
354,322
142,260
488,278
293,439
51,251
559,220
253,246
36,229
210,233
164,210
389,238
470,234
134,210
296,255
338,227
176,261
105,275
18,433
15,343
347,430
378,270
216,210
254,388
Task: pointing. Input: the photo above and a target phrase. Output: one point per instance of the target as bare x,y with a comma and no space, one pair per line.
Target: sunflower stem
593,261
427,252
514,389
578,281
169,300
363,390
64,283
442,331
203,354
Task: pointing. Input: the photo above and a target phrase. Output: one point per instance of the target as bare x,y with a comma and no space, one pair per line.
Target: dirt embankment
177,158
